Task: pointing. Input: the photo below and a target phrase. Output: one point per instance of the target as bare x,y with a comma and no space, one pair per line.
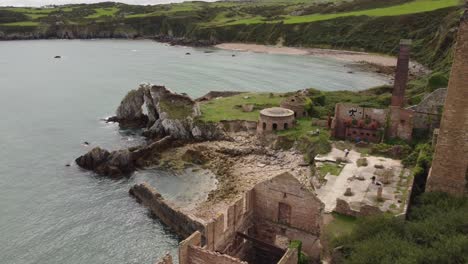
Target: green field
230,108
22,24
237,13
417,6
100,12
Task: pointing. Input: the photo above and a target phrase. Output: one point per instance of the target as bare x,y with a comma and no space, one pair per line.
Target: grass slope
230,108
417,6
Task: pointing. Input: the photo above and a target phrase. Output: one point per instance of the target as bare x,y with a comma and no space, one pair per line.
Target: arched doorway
285,125
264,126
275,126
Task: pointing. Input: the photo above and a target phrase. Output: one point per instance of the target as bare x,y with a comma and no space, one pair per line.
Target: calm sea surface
52,214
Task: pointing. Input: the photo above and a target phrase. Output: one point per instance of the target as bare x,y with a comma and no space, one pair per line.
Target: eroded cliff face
168,120
167,113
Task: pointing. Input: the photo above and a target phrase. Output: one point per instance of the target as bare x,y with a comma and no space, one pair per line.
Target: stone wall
259,214
221,232
239,126
284,207
184,252
290,257
427,113
343,207
184,225
449,170
199,255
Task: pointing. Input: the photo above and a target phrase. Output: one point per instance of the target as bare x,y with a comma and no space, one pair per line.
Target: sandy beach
352,57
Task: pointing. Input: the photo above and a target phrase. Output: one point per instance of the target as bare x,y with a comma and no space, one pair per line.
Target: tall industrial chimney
449,172
402,72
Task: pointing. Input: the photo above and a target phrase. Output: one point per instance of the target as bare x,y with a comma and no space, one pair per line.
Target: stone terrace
357,178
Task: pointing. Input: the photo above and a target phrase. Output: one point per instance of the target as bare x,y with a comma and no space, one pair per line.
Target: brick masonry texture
450,163
401,76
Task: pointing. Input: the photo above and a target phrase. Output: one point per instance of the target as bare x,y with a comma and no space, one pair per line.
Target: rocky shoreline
177,139
170,120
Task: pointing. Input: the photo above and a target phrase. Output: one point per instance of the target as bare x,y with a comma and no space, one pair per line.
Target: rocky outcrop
167,259
170,119
130,112
168,113
121,162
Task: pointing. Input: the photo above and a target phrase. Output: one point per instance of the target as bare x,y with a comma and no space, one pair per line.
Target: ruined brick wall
184,252
401,123
450,164
217,235
221,232
290,257
197,255
401,75
299,110
284,207
370,135
239,125
184,225
343,207
351,111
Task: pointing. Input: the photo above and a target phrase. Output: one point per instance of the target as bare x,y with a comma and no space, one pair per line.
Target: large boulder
93,159
122,162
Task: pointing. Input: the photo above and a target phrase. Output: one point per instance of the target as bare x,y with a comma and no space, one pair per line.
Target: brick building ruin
449,172
258,227
275,118
356,123
297,104
255,229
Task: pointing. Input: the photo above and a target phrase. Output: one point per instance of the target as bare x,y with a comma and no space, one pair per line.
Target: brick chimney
401,76
449,172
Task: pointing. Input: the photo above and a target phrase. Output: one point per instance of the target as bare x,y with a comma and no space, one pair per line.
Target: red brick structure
275,118
297,104
449,170
401,76
356,123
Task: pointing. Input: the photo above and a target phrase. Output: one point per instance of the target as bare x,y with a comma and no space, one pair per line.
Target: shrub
437,80
436,232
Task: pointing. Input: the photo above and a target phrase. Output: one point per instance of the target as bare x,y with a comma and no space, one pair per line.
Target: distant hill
371,25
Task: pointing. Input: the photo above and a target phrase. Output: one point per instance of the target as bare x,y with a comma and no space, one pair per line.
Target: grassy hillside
372,25
369,25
